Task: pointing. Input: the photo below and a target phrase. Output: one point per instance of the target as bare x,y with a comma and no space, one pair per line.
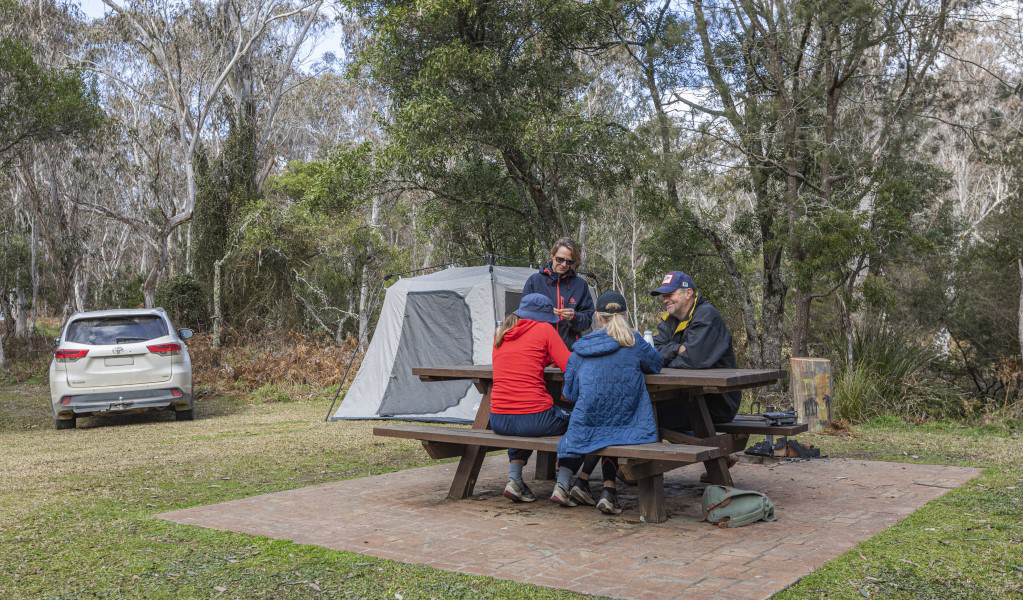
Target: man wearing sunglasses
569,293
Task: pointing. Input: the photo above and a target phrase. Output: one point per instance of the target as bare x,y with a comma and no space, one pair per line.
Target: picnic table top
716,378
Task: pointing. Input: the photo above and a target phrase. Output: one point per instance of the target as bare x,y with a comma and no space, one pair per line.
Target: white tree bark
1019,316
21,319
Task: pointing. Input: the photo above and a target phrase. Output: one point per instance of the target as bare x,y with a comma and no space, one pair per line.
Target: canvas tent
444,318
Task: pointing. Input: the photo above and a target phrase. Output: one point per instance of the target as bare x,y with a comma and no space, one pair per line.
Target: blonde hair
617,327
567,242
509,322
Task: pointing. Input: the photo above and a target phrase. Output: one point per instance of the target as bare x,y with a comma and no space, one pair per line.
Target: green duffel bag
731,507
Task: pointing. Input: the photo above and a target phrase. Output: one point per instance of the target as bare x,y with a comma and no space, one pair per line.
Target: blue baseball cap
675,280
538,308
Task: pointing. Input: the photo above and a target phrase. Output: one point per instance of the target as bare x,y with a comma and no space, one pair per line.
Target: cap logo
667,279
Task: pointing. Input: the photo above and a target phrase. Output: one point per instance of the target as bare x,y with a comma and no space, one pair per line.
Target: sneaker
580,492
560,496
518,492
608,503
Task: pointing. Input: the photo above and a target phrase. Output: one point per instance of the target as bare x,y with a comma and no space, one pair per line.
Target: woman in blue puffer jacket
604,379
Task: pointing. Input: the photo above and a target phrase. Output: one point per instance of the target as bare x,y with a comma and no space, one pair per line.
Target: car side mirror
185,333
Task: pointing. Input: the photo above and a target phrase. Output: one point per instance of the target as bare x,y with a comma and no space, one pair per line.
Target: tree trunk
801,328
34,274
217,314
21,322
364,307
582,242
1019,316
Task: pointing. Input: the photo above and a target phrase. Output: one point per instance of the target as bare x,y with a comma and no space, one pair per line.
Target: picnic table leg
652,508
703,426
545,462
472,457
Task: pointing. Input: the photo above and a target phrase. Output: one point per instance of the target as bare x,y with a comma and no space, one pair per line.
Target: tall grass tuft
890,375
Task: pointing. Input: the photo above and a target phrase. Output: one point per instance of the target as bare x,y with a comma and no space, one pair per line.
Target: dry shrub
271,358
26,358
839,428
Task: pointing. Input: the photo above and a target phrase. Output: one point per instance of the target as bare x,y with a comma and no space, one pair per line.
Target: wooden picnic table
686,386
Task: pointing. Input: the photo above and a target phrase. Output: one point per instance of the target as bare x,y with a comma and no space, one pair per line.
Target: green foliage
225,189
40,103
123,292
481,88
892,373
184,298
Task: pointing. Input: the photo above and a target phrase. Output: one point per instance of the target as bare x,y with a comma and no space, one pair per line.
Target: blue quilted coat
612,406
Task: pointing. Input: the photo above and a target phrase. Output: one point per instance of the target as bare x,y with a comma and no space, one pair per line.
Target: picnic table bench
710,443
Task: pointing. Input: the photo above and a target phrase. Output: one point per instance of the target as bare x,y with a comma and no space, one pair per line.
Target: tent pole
493,289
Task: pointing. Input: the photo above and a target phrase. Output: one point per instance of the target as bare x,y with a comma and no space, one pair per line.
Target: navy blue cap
537,307
611,297
675,280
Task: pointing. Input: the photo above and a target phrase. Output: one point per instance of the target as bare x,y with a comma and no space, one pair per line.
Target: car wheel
185,415
64,423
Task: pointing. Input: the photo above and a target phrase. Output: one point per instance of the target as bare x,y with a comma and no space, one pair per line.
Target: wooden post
811,391
472,457
545,462
703,427
652,508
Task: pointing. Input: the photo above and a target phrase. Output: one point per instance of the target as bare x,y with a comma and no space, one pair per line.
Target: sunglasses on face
564,261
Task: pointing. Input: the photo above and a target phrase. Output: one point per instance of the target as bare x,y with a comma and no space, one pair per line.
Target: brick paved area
824,507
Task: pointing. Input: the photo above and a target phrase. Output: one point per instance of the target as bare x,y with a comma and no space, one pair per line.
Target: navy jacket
566,290
605,381
707,340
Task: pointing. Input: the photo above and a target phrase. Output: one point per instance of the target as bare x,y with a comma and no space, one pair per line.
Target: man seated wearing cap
692,335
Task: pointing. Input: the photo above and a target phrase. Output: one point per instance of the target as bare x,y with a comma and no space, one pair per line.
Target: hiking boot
561,496
608,503
580,492
729,461
518,492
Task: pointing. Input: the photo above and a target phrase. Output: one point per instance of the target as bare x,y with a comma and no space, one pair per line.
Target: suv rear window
116,330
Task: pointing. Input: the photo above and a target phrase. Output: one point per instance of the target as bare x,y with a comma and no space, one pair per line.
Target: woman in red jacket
519,403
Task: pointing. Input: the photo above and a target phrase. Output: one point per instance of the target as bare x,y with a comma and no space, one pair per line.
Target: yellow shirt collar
683,324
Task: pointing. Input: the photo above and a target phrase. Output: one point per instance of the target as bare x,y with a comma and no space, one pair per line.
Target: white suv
118,361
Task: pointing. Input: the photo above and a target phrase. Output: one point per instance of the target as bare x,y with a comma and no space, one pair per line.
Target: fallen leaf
314,586
220,588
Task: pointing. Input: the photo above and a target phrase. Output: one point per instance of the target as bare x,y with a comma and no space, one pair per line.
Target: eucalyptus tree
192,52
486,113
48,114
809,98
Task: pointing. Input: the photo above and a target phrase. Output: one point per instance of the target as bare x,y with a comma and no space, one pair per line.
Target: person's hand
568,314
681,349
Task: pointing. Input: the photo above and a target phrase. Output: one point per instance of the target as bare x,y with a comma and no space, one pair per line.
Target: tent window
511,301
437,331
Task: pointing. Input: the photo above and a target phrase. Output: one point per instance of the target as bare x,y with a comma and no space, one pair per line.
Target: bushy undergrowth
892,373
270,359
27,358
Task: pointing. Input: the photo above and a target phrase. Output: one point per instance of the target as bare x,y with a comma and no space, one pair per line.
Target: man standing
692,335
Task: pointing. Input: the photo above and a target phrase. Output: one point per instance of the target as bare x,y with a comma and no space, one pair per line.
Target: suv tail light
66,356
165,349
176,392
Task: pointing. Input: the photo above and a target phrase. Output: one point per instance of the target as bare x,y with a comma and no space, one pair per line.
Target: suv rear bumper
122,402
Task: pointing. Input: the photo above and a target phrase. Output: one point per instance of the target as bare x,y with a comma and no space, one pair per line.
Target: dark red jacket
518,368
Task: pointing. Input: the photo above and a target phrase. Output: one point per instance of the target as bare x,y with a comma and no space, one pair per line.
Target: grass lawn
76,507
